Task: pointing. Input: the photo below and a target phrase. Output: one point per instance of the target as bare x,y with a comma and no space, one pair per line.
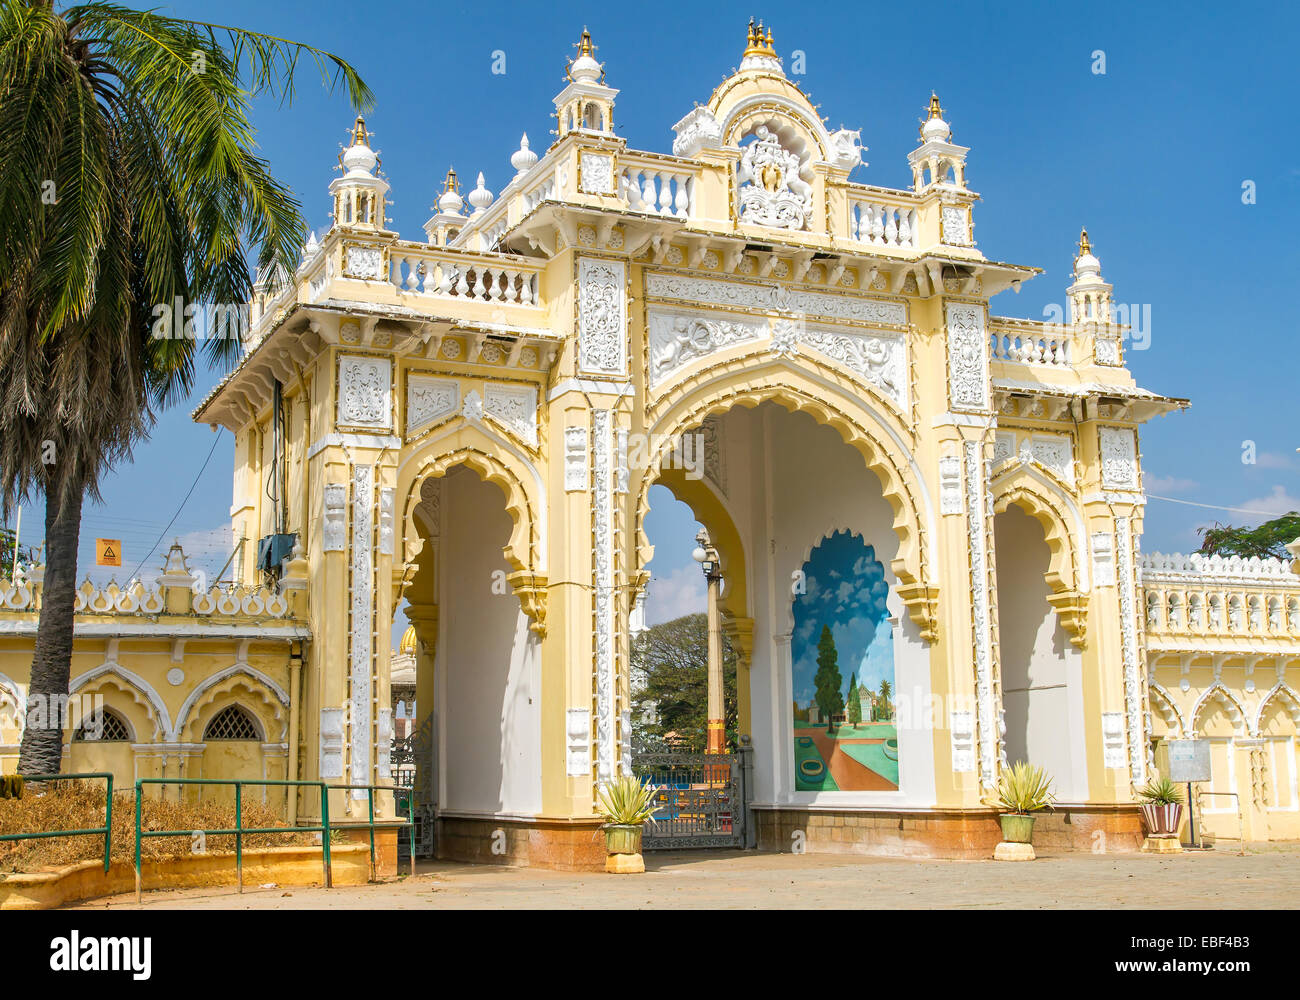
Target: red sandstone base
576,845
951,834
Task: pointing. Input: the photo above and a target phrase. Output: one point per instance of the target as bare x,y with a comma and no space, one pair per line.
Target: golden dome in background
407,645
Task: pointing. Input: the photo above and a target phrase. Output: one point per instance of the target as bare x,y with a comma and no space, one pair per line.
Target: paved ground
1210,880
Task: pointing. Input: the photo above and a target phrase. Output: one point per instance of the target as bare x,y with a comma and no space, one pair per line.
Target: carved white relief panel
1004,447
366,263
1103,559
429,399
1118,458
334,532
360,625
331,743
968,374
1054,452
950,485
515,406
365,392
962,725
387,500
1112,740
751,296
602,519
578,743
771,191
597,172
575,459
602,317
878,358
956,225
677,338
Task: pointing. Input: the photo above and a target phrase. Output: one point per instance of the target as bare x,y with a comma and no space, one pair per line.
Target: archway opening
1041,670
477,662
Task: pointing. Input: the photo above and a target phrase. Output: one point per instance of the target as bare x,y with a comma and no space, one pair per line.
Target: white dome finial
480,197
523,158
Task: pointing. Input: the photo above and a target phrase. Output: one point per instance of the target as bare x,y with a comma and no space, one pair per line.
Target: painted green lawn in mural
843,671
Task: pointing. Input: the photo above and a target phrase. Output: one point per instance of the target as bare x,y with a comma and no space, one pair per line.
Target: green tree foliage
670,670
828,680
129,177
1270,539
884,706
855,703
25,554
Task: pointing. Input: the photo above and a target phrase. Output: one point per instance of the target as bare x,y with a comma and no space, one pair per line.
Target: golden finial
756,43
585,47
359,134
1084,246
935,110
451,183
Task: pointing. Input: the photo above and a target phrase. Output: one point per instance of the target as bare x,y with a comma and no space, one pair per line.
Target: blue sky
1151,156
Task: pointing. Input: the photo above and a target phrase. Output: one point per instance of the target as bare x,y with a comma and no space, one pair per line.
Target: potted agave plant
1023,790
1162,812
627,806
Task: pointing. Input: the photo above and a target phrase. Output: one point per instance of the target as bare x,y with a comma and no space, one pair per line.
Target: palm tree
127,177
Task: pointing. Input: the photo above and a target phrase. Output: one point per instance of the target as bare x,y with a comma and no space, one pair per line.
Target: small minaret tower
760,52
937,160
1089,295
586,104
448,214
359,194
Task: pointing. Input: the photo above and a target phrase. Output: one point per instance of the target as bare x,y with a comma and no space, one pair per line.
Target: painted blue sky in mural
845,589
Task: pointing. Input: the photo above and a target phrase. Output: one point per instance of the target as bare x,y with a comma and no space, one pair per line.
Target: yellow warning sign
108,552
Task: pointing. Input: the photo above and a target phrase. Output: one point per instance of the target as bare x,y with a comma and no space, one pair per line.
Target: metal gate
414,767
700,799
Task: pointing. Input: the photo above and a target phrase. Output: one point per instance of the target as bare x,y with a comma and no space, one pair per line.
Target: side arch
240,683
146,702
884,448
1230,705
495,461
1046,501
1282,693
1164,703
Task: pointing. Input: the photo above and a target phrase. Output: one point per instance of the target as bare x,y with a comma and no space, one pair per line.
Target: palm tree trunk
41,751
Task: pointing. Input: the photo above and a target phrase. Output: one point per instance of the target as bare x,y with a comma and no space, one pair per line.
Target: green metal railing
106,830
370,790
239,830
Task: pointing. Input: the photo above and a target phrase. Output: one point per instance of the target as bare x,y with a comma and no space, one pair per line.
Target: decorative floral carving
1118,458
601,337
429,399
956,230
968,378
981,620
698,130
750,296
602,519
515,407
366,263
597,172
360,625
365,392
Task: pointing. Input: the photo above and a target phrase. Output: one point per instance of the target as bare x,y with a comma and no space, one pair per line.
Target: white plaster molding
968,368
162,719
365,392
602,317
429,399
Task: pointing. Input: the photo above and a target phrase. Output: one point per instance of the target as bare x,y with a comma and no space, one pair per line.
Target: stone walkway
1266,879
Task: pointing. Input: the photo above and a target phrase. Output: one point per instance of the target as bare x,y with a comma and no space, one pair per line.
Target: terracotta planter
1162,821
1017,828
622,839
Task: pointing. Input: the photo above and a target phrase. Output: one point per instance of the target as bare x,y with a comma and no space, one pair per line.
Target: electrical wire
188,494
1215,506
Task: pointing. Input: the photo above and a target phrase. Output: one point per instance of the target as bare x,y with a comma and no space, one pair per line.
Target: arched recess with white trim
1219,714
264,757
1044,498
12,706
136,698
1166,722
788,462
1040,660
494,460
875,433
1220,718
1277,724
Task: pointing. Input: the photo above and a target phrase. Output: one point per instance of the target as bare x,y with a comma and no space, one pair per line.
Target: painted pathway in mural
843,666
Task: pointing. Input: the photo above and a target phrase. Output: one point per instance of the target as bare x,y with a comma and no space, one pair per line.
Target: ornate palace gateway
472,422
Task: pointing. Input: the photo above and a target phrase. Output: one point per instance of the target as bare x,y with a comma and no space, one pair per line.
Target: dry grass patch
79,806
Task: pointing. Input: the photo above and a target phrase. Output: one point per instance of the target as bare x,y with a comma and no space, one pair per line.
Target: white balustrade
882,225
1197,595
1032,344
656,190
444,275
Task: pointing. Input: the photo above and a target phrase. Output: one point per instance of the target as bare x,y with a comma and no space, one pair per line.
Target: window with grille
108,727
232,723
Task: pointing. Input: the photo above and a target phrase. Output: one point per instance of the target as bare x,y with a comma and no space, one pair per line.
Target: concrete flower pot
1162,820
623,849
1017,832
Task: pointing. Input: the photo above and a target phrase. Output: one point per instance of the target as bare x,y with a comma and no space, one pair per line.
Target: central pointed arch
884,445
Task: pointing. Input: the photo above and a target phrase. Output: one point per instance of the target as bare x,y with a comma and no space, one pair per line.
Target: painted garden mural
842,651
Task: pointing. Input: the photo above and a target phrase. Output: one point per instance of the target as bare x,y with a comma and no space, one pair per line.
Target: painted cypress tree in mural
854,709
829,701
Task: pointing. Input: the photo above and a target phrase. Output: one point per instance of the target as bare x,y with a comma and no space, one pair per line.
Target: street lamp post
707,556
